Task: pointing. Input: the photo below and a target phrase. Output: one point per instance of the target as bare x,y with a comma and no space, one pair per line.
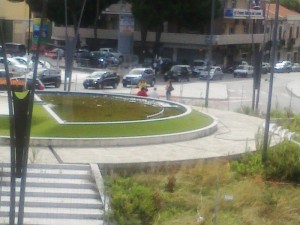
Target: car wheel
124,85
114,85
234,75
57,84
97,86
152,83
85,86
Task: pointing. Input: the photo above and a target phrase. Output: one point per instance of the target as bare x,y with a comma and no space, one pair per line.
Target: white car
215,73
14,66
283,67
296,67
24,61
243,71
198,66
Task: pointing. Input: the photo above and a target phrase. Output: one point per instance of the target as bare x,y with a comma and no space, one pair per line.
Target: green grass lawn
43,125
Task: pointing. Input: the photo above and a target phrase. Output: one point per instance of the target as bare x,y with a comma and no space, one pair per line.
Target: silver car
135,76
243,71
215,73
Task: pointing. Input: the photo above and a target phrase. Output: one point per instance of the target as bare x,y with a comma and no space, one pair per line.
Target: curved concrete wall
119,141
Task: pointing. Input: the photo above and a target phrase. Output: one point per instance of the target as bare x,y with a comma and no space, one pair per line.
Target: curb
119,141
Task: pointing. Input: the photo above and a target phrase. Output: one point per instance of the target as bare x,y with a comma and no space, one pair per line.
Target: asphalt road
239,91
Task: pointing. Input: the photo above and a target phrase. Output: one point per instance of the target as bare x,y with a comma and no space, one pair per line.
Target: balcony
168,39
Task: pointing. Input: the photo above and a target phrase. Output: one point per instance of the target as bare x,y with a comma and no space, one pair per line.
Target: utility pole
273,52
210,51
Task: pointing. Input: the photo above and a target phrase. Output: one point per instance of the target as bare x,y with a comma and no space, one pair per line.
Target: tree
56,10
152,14
290,4
194,14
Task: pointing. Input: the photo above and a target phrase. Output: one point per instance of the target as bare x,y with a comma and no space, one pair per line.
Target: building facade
14,19
288,37
244,25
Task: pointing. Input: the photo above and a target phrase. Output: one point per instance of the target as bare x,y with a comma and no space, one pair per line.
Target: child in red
142,92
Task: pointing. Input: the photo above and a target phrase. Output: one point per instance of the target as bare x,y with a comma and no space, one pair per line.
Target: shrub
248,165
137,206
283,163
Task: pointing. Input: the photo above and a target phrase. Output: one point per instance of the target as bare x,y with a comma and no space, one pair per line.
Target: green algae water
103,108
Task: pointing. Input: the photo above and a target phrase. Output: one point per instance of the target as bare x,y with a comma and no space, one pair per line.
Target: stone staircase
56,194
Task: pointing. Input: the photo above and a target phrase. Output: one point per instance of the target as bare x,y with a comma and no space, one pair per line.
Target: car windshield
97,74
136,72
13,62
241,67
199,63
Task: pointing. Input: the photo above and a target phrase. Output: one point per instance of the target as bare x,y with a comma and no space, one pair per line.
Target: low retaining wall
119,141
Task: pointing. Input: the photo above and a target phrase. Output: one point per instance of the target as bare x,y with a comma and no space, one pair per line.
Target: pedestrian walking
169,89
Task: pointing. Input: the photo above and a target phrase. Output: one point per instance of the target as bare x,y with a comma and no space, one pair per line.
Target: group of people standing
153,94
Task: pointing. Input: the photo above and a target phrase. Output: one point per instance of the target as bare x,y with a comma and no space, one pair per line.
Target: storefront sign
243,14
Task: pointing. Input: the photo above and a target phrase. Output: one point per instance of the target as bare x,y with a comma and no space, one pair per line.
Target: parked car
165,65
136,75
283,67
15,67
49,76
231,67
296,67
198,65
79,52
243,71
97,59
215,73
178,73
265,67
55,53
101,79
15,49
2,73
114,52
23,60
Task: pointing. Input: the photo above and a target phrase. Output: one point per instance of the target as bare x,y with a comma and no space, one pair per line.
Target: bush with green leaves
138,205
248,165
283,163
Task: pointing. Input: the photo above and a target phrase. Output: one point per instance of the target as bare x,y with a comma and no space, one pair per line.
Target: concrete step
55,194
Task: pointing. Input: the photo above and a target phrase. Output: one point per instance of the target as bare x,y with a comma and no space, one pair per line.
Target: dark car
49,76
15,49
137,75
166,65
178,73
94,59
101,79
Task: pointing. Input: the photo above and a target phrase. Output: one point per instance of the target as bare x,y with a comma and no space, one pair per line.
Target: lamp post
273,52
210,51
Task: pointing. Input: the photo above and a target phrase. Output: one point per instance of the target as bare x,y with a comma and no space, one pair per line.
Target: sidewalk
294,87
236,134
